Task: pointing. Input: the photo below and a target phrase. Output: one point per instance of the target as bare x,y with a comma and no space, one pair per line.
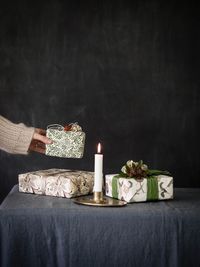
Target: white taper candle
98,170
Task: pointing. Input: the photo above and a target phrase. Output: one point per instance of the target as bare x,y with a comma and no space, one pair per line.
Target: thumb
42,138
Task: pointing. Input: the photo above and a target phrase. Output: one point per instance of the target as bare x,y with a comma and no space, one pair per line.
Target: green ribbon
114,186
152,187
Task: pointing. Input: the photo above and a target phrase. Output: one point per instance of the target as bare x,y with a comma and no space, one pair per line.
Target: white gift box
136,190
57,182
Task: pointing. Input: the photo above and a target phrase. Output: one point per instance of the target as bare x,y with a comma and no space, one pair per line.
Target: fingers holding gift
37,146
39,141
40,135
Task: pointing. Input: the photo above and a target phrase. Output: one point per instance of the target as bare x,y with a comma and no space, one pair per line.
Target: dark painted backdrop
128,72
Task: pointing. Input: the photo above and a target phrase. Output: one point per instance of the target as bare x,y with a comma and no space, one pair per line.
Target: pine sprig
157,172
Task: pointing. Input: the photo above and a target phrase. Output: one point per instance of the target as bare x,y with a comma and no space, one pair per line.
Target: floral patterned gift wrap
136,183
57,182
68,141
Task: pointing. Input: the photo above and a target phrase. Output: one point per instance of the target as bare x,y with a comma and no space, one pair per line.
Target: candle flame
99,148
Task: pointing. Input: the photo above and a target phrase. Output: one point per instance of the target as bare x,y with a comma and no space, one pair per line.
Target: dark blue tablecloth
49,231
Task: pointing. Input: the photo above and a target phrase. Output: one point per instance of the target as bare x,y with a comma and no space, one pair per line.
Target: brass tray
104,202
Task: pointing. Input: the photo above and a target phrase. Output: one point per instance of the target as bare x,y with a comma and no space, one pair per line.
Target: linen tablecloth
50,231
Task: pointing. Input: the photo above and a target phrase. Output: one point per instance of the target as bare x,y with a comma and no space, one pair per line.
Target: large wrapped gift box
57,182
139,190
66,143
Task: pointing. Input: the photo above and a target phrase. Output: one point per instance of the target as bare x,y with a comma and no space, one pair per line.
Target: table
49,231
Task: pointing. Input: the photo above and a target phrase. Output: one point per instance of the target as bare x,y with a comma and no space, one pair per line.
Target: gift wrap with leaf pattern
66,144
57,182
139,190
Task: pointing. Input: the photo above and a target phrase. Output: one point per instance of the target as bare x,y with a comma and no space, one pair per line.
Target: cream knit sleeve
15,138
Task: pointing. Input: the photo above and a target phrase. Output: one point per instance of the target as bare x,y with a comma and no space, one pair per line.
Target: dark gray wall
127,72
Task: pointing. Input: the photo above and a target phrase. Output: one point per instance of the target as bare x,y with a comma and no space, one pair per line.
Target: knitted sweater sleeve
15,138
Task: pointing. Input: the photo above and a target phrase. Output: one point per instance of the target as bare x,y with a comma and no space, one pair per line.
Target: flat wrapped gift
137,183
68,141
57,182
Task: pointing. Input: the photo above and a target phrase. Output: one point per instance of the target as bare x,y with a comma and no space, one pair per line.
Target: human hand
39,141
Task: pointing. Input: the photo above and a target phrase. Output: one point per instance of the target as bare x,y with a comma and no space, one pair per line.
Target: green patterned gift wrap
67,142
137,183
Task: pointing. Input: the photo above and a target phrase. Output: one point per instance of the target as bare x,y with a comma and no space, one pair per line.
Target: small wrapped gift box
139,190
57,182
68,141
